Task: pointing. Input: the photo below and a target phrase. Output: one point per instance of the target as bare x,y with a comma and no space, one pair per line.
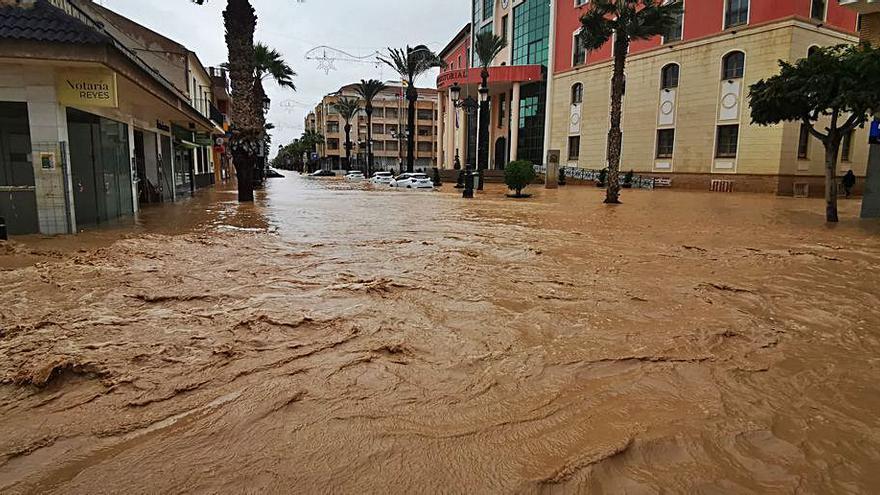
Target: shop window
727,142
669,76
736,13
574,148
804,143
665,143
733,65
502,109
577,94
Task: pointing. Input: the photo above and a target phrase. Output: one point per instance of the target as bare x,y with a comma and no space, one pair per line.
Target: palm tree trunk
348,146
615,137
369,111
240,22
412,95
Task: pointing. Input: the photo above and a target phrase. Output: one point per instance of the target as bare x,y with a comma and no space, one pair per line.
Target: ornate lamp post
470,106
870,33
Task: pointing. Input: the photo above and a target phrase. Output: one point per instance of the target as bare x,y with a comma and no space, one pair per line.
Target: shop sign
203,139
87,88
452,76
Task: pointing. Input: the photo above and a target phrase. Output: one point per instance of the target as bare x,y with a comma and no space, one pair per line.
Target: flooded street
332,338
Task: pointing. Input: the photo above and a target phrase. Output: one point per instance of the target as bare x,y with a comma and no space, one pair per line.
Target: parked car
322,173
413,181
355,176
382,178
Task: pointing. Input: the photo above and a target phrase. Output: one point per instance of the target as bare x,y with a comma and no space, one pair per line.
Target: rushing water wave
334,338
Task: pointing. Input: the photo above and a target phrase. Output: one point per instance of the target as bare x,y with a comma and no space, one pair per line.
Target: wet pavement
334,338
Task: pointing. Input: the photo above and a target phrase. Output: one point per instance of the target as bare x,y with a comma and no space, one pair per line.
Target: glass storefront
100,167
18,203
532,105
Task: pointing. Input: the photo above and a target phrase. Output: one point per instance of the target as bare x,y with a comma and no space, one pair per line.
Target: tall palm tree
623,21
348,108
269,64
487,46
368,90
310,140
240,21
410,63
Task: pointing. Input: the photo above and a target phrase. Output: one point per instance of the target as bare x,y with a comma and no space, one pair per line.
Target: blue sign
314,155
874,136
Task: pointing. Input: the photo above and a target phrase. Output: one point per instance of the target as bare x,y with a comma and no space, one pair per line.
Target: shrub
603,176
518,175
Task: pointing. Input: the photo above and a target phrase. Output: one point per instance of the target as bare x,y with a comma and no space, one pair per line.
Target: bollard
3,235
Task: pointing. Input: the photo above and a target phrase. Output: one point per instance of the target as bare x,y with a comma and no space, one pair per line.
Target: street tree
240,21
831,92
410,63
348,108
369,90
621,22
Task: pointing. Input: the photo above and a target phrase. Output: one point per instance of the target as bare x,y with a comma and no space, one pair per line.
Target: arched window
812,50
733,65
577,93
669,76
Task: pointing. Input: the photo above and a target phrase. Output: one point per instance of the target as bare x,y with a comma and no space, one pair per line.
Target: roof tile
44,22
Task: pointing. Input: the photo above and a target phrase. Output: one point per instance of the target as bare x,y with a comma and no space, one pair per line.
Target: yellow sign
88,88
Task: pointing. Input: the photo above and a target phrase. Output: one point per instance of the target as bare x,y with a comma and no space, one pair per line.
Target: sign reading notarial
87,88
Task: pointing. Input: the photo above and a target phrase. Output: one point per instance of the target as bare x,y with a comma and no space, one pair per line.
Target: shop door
166,178
18,200
100,168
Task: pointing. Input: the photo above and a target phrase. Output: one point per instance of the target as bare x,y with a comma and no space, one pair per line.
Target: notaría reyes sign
89,88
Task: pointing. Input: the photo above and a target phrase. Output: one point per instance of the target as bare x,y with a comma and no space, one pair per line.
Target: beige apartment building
389,130
683,102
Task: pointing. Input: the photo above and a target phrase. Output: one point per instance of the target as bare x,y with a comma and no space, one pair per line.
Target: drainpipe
548,108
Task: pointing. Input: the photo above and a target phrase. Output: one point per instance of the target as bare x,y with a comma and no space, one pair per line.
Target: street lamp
469,105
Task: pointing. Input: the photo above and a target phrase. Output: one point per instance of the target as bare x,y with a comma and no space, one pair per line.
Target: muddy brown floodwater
336,339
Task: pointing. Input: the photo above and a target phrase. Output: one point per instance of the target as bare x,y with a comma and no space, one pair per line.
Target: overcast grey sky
293,28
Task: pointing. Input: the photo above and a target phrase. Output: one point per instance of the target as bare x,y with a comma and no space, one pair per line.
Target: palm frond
410,63
348,108
487,46
268,62
369,89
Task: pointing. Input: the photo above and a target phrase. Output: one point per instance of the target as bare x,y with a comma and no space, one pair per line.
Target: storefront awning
501,75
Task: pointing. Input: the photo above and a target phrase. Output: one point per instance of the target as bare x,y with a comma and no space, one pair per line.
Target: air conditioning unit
801,190
721,186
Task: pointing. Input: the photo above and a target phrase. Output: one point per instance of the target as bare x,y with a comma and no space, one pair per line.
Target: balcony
216,115
861,6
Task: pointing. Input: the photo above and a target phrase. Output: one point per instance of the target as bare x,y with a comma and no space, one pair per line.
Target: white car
355,176
382,178
413,181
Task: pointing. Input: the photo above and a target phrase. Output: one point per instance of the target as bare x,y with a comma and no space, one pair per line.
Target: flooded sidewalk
335,338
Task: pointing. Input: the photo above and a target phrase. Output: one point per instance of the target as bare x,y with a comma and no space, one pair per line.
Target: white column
514,123
551,60
131,165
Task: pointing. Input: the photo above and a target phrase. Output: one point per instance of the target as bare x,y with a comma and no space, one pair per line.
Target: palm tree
410,63
268,63
368,90
623,21
487,46
310,139
348,108
240,21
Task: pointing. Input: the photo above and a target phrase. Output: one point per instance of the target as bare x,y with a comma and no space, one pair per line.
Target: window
676,30
504,25
577,94
424,114
332,127
390,113
578,3
423,130
804,143
531,33
378,112
333,144
728,138
736,13
669,76
378,129
846,147
817,10
813,49
488,9
574,148
733,65
579,53
665,143
502,109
